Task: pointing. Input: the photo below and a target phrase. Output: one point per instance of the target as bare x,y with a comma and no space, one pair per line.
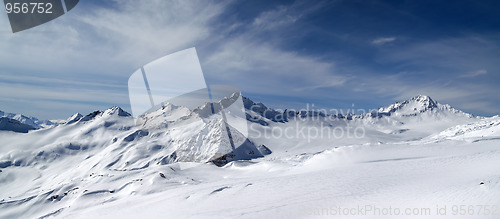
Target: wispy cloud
59,82
254,62
472,98
275,18
86,56
40,92
89,48
57,101
474,73
456,54
285,15
256,66
383,40
110,40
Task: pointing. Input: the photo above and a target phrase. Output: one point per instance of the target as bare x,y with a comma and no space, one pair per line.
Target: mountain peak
424,100
116,110
109,112
251,105
91,116
417,104
75,116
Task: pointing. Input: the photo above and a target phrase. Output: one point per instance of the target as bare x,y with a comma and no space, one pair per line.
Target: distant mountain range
412,107
409,108
185,135
28,120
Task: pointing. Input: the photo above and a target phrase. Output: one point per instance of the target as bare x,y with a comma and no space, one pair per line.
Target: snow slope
416,154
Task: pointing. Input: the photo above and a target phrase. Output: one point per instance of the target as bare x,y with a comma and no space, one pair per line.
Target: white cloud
275,18
55,100
85,49
40,92
110,39
94,51
59,82
454,54
285,15
467,97
383,40
474,73
432,68
261,68
255,64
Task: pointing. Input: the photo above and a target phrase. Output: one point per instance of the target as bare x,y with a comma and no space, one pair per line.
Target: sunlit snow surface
415,155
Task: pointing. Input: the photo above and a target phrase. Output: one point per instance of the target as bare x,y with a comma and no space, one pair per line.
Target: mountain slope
102,162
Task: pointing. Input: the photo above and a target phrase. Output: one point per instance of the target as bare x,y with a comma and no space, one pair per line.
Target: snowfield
413,159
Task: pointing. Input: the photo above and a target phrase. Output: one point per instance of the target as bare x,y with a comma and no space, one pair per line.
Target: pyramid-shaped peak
116,111
426,100
420,103
75,116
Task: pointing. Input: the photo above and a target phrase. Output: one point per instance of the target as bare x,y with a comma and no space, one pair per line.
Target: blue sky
334,54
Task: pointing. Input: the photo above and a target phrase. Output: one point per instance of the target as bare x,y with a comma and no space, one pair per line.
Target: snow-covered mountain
169,162
170,134
419,106
29,120
412,119
14,125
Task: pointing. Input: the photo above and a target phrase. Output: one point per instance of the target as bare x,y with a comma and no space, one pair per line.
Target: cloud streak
474,74
383,40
